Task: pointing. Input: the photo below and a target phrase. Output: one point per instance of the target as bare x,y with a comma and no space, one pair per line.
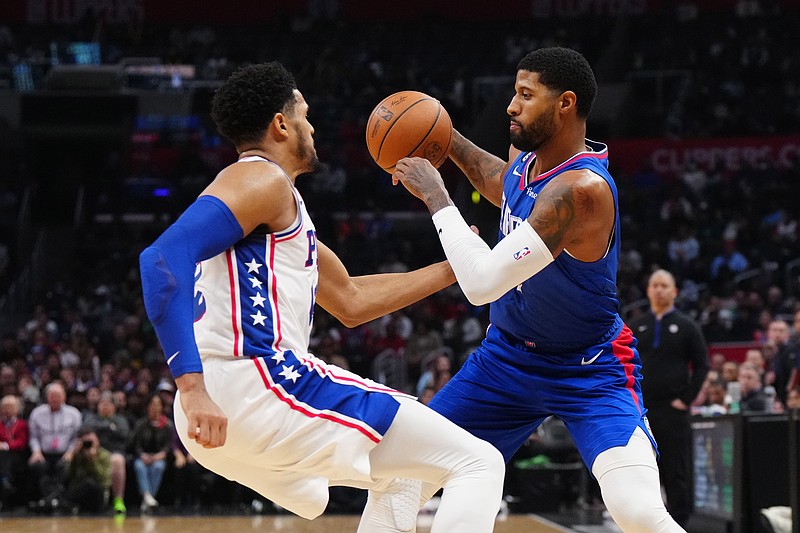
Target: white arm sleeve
485,274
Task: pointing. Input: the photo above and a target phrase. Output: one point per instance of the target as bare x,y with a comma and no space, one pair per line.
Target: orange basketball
408,124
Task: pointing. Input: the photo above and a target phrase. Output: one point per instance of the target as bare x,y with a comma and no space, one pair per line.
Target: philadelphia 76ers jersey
257,298
570,304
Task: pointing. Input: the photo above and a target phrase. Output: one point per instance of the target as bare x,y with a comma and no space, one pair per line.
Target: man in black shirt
674,364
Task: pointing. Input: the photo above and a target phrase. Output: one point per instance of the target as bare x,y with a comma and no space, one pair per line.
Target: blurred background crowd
82,194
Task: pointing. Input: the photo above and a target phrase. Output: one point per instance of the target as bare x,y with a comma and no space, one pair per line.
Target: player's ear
567,101
279,126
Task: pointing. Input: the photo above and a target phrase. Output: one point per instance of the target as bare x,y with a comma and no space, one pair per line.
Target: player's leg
423,445
601,404
628,478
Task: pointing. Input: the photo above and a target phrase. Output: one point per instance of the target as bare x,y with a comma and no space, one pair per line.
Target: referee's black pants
673,435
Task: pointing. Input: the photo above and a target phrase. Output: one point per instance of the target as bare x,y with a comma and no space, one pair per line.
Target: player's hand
420,178
207,424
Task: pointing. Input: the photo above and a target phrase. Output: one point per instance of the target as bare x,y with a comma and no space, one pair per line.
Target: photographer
89,473
113,431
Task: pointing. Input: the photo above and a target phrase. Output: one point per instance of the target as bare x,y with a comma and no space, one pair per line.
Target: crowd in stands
85,395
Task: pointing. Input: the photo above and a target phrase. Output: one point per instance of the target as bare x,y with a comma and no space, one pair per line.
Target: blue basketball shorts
505,390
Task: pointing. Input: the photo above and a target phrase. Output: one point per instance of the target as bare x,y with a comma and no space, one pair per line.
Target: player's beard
531,137
306,152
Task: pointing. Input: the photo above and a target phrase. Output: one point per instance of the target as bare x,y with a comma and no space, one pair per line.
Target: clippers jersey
556,344
570,304
257,298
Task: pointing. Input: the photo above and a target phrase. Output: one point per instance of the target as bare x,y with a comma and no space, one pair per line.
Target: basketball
408,124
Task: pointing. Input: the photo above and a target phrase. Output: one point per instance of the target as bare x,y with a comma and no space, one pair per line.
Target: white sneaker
148,500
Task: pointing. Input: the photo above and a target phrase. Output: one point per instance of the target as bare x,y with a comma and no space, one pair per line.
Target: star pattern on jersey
258,318
253,266
259,303
289,372
258,300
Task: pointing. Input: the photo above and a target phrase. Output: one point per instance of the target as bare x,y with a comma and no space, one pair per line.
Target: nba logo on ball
384,113
521,253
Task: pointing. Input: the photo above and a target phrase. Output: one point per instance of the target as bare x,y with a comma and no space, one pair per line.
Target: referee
674,364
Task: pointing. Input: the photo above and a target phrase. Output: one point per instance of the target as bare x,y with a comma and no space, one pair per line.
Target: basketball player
556,344
230,288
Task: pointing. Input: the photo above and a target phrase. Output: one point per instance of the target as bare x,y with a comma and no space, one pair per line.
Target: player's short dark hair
244,105
563,69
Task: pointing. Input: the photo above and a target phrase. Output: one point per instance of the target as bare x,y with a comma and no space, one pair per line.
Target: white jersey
297,425
257,297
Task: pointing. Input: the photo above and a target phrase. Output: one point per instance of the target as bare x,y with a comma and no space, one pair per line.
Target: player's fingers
475,230
213,436
223,431
192,427
202,433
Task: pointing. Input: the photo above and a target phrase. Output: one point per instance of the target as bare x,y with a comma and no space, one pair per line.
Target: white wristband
486,274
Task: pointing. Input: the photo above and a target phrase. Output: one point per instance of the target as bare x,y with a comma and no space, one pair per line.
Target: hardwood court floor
237,524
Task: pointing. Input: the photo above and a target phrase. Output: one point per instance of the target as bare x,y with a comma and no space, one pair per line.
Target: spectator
753,398
122,408
88,475
113,432
13,448
728,262
782,357
436,375
793,399
427,395
152,440
717,360
53,429
755,357
92,399
683,249
424,340
730,371
166,390
714,403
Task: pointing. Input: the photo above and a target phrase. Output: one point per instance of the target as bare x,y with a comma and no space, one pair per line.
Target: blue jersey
556,344
570,304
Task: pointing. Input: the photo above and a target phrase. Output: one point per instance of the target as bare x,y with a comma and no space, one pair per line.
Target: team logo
521,253
384,113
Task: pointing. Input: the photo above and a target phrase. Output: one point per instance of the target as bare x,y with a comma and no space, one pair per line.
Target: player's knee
630,518
648,515
494,466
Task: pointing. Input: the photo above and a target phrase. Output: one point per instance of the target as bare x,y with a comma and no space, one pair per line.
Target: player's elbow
350,316
350,321
478,294
158,283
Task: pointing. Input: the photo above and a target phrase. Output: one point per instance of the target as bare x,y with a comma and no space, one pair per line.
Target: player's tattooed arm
554,215
575,211
484,170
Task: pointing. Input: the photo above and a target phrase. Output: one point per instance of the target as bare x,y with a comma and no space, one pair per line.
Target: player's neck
254,152
552,154
270,156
